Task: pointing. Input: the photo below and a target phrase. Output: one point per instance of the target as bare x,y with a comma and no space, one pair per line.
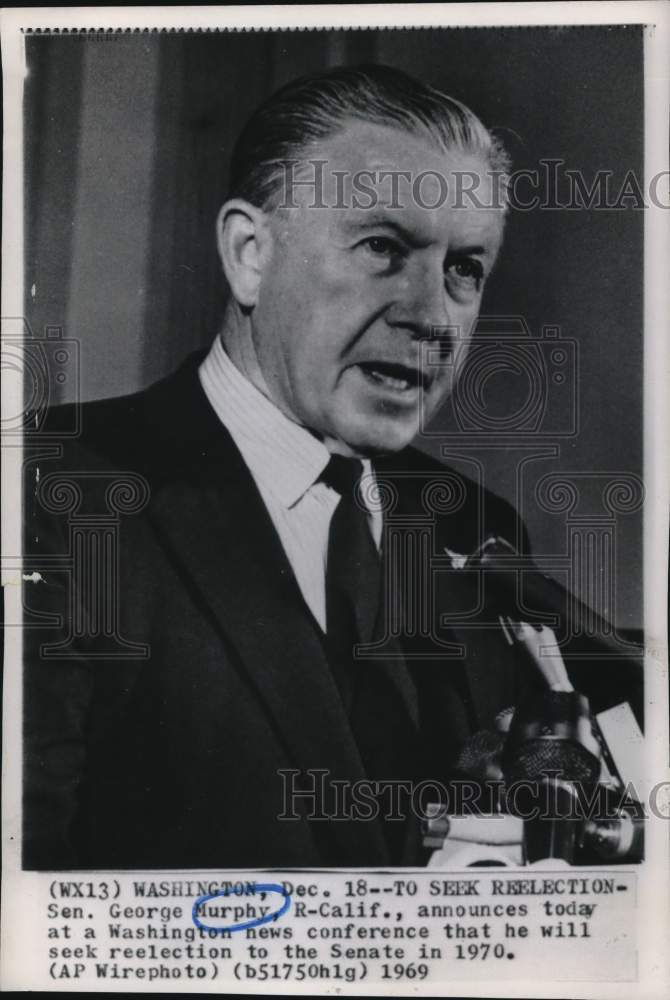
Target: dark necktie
353,573
379,720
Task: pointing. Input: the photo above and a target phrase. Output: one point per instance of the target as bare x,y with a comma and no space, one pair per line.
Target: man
259,647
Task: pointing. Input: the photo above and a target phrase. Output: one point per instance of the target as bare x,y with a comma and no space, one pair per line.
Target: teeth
394,383
389,380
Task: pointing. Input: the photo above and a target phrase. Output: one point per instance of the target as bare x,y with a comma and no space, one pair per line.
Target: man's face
349,293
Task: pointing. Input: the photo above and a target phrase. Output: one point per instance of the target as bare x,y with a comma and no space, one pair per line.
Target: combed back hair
317,106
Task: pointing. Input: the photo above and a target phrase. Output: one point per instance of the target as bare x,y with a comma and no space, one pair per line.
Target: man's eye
468,271
383,246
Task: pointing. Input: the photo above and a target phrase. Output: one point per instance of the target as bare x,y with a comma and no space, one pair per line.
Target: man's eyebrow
377,220
474,251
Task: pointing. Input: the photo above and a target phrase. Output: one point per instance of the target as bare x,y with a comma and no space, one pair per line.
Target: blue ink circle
249,890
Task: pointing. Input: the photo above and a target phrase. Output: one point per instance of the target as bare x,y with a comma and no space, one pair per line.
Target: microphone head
552,735
479,758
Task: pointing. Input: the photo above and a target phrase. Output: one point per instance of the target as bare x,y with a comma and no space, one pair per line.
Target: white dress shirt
286,461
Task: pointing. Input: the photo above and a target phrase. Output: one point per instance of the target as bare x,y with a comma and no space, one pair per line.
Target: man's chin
378,437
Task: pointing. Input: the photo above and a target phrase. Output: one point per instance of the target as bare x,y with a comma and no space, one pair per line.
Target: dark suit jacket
158,714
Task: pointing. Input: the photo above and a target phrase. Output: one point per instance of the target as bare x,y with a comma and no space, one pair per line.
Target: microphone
615,839
582,754
554,746
479,757
551,749
552,733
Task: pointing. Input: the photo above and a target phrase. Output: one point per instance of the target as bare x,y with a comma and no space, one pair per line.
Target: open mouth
398,377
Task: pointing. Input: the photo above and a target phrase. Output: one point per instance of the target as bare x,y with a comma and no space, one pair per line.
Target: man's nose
421,303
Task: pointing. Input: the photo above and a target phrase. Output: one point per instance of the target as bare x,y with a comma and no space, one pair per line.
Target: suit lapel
213,521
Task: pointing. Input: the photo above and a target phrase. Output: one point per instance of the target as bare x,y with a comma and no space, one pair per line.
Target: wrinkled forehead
360,144
365,173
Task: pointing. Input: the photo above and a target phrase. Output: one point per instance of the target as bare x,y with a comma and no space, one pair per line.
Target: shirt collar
281,454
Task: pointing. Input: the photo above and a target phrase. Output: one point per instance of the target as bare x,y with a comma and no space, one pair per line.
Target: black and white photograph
338,526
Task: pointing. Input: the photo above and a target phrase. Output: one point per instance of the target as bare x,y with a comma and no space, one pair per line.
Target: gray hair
314,107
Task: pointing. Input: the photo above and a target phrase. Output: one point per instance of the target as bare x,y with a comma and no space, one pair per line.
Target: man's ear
243,238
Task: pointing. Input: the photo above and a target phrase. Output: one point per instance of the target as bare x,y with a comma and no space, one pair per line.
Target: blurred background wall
128,139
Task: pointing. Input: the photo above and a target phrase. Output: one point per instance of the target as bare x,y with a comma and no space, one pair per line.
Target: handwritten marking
243,890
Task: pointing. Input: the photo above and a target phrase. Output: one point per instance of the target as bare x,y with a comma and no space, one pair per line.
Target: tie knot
342,474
